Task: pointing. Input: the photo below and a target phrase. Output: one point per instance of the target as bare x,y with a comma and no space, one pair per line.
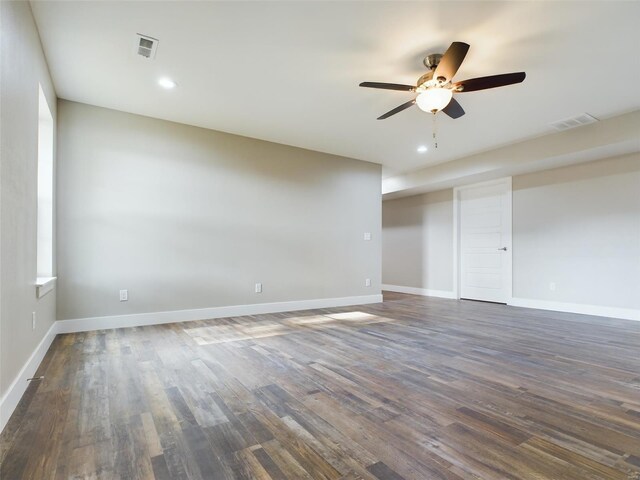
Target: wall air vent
573,122
146,46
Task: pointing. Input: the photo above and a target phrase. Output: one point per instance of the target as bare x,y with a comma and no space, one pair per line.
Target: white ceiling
288,72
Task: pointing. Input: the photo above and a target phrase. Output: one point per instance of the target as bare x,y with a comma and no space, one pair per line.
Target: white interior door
485,241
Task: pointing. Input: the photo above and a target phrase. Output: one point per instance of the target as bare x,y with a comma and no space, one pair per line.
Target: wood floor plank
413,388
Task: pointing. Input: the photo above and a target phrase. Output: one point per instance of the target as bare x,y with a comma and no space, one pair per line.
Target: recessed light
422,149
167,83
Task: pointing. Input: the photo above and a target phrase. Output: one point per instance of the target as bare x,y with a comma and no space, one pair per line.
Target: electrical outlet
258,288
367,236
367,282
552,286
33,320
124,295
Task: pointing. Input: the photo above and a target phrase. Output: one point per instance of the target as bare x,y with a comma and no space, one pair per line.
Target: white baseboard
419,291
613,312
13,395
157,318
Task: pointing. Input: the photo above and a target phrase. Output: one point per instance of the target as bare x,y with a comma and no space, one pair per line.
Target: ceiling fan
435,88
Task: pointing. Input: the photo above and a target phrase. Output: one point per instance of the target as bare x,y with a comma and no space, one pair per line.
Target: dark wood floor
413,388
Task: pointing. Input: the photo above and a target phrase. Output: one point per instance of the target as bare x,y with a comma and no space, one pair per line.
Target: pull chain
435,131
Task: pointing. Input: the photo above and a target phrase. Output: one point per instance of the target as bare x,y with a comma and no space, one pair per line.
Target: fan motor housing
432,61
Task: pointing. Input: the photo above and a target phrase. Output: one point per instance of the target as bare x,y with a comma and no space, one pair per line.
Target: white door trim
456,234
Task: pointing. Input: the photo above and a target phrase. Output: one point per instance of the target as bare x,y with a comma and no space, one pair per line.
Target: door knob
503,248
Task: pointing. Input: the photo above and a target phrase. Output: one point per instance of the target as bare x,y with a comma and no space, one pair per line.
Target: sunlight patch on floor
312,320
353,316
250,329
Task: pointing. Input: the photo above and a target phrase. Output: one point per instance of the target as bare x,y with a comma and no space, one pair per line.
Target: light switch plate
367,236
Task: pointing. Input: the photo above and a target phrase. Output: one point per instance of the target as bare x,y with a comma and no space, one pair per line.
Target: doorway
482,241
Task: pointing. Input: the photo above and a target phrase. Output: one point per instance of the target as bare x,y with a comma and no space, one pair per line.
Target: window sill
44,285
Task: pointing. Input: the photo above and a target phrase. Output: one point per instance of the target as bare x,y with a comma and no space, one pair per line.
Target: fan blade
454,109
389,86
451,61
493,81
402,107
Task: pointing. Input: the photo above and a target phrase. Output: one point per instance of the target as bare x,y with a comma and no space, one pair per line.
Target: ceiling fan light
434,99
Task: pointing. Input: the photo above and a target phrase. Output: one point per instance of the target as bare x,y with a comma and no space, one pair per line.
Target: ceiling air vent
146,46
574,122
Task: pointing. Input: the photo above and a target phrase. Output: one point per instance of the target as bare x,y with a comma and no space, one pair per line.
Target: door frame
507,181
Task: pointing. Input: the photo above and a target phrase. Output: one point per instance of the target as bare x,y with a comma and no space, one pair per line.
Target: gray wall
580,228
22,67
188,218
417,241
577,226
